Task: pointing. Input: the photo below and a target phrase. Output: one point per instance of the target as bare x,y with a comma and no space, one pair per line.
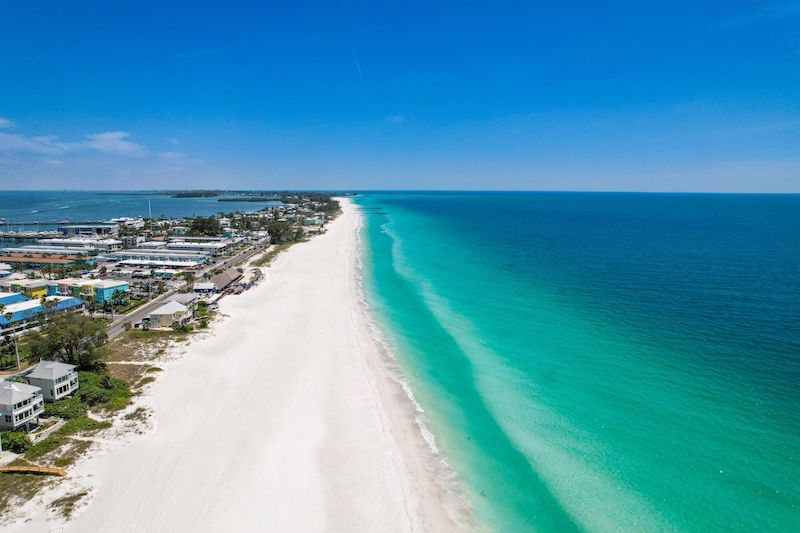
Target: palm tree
108,308
47,306
8,316
118,298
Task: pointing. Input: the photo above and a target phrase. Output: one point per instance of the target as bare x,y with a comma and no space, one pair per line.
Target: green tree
208,226
72,338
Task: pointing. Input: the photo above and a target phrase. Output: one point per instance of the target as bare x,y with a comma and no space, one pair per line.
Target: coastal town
75,296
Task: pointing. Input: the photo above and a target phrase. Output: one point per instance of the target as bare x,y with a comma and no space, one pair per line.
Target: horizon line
390,190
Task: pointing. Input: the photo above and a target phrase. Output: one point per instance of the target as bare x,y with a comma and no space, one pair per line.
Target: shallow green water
600,362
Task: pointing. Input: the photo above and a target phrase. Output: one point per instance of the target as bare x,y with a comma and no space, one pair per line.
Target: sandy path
283,420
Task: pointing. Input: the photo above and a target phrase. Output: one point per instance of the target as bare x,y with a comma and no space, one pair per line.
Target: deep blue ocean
600,361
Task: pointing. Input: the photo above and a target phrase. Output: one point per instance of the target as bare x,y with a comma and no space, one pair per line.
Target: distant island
250,199
195,194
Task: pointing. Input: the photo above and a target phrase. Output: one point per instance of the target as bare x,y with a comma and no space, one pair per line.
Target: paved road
117,327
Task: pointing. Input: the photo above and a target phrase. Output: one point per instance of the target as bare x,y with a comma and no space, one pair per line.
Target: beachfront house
188,299
20,405
204,287
170,314
57,380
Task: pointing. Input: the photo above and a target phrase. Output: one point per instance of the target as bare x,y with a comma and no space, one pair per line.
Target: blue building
24,314
7,298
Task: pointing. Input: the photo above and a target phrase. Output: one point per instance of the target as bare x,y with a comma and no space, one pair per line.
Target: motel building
20,405
19,316
56,380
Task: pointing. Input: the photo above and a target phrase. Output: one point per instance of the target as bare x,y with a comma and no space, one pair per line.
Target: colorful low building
97,290
30,288
18,317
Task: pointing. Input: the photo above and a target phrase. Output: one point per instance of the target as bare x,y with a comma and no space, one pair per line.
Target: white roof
83,241
12,392
51,370
197,245
152,262
30,304
83,282
204,286
29,282
185,298
170,308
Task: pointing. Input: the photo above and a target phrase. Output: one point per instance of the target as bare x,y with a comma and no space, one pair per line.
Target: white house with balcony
20,405
57,380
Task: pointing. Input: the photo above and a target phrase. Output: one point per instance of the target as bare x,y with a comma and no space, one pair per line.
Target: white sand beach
285,419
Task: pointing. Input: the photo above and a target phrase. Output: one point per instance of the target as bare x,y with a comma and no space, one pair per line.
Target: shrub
15,441
67,408
100,388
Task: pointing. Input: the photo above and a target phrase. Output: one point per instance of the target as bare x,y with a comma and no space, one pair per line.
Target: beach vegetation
15,441
66,505
62,436
269,256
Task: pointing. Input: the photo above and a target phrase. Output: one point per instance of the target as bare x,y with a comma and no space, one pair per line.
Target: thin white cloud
5,123
173,141
762,14
115,143
358,65
198,53
46,145
396,119
172,155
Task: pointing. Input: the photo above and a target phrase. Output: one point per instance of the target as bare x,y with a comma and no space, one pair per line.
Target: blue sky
668,96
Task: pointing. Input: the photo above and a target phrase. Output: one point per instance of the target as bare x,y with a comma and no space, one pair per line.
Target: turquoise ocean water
600,362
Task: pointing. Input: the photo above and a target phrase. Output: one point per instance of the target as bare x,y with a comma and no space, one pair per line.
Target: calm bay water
82,206
601,362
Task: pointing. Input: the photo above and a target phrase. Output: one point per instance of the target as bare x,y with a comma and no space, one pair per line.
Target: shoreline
325,435
448,488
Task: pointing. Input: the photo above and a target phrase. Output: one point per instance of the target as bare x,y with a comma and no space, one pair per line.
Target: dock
37,470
